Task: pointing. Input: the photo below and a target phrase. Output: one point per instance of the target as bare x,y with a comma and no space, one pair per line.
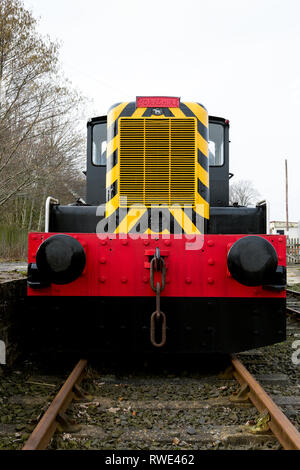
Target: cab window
99,141
216,144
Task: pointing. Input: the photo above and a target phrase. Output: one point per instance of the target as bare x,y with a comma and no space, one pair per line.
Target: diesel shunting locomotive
155,257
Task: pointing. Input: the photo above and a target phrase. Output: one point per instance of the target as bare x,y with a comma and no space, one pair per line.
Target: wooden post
286,197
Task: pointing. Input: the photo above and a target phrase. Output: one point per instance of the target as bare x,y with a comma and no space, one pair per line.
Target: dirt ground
11,270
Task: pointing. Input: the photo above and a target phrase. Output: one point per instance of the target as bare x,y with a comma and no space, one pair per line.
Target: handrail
50,200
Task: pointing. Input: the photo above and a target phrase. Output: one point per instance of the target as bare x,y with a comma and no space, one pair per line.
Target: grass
13,243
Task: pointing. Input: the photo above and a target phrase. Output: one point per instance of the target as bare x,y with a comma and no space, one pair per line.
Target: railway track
184,406
293,303
55,414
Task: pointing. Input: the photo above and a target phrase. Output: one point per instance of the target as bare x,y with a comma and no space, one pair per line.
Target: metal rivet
102,279
124,280
167,242
210,280
103,242
280,239
211,261
124,242
210,243
146,242
188,280
102,260
145,279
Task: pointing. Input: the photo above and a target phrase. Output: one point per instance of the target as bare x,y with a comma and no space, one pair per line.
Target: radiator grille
157,161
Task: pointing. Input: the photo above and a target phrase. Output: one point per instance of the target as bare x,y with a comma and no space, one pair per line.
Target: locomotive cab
223,218
218,161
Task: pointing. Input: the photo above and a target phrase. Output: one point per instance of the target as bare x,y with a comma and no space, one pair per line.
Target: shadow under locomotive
86,325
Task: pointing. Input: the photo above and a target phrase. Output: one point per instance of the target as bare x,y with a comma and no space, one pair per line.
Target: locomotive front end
163,263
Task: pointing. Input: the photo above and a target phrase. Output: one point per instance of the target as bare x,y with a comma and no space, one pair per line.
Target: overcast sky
239,58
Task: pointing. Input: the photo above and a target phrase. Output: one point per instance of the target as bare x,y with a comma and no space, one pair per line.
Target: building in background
279,228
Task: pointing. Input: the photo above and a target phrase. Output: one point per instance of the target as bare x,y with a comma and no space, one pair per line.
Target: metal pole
286,197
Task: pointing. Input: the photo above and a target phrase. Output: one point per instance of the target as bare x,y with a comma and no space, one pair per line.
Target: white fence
292,250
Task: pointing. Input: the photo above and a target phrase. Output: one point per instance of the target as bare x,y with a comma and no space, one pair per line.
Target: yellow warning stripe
112,205
177,112
202,175
112,175
115,113
138,113
112,145
200,112
201,206
202,144
130,220
184,221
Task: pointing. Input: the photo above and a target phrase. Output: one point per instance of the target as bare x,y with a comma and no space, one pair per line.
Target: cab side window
216,144
99,140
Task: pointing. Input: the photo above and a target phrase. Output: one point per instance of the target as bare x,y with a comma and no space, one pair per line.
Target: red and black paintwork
207,310
196,266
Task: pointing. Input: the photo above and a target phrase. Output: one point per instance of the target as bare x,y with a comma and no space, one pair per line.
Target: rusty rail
42,434
282,428
292,311
295,312
293,292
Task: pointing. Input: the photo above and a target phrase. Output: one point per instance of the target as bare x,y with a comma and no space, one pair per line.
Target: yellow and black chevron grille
157,161
137,176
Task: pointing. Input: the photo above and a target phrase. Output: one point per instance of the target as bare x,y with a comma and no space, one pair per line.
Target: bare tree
243,193
38,135
41,147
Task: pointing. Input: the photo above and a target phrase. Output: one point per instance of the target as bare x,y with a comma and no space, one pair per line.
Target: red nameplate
157,102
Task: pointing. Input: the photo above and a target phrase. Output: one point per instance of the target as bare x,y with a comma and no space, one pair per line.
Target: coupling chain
158,265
